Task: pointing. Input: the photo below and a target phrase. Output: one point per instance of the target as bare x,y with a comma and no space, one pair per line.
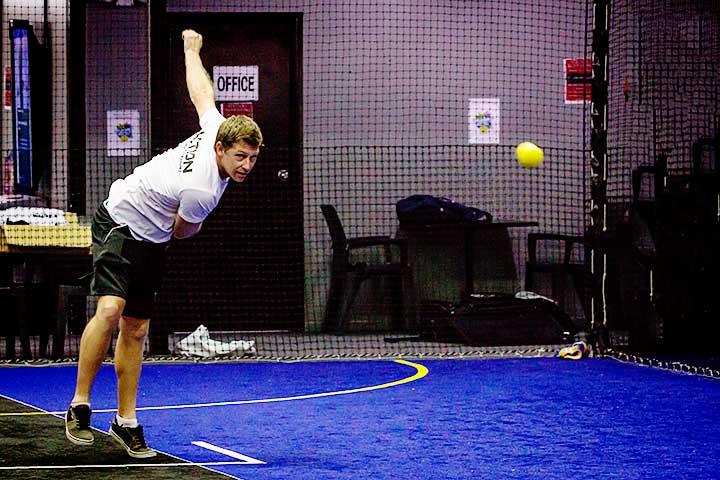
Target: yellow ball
529,155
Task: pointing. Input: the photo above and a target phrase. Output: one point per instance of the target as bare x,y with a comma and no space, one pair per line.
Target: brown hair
239,128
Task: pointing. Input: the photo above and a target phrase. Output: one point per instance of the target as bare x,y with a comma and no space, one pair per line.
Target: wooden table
30,276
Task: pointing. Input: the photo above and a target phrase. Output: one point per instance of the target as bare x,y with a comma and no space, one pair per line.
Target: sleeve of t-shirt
195,205
211,120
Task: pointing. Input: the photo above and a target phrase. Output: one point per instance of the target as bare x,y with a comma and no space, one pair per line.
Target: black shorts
125,267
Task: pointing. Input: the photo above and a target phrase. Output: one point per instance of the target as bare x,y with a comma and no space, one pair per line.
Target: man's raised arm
199,85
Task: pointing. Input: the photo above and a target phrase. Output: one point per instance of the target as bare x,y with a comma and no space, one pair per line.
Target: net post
598,163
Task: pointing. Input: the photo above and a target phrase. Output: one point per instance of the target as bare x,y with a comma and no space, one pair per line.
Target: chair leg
64,306
348,302
23,319
9,325
46,325
10,345
333,303
43,347
409,303
58,348
528,278
559,287
580,280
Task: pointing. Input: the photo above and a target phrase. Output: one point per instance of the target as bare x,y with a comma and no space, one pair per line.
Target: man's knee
134,328
109,311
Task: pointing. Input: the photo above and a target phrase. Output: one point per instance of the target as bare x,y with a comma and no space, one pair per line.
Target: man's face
237,161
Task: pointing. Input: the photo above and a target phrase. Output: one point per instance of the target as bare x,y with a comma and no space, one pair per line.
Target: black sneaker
132,440
77,425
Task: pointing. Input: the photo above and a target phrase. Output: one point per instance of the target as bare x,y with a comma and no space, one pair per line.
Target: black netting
362,104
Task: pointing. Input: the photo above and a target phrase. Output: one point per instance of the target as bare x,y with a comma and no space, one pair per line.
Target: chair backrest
563,244
337,232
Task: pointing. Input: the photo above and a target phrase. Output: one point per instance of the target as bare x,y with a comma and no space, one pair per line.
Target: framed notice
123,133
228,109
235,83
578,80
484,121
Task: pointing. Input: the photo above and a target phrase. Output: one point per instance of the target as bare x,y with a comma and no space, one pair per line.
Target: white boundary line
246,460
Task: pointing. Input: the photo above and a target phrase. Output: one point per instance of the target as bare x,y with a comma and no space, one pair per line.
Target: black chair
348,276
71,315
559,266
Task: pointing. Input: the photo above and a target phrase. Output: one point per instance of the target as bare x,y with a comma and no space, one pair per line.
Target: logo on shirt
190,147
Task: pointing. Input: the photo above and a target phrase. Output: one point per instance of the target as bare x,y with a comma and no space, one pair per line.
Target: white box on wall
123,133
484,121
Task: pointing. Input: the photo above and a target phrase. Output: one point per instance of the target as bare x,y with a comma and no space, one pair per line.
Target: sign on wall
236,83
7,89
123,133
228,109
484,121
578,80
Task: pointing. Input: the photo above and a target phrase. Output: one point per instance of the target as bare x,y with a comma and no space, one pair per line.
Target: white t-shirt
182,180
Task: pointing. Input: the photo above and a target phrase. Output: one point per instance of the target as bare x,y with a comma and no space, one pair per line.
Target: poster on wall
123,133
484,121
578,80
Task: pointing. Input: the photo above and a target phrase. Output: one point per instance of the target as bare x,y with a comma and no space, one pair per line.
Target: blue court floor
418,419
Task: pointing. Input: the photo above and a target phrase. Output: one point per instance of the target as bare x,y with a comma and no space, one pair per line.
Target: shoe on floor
132,440
77,425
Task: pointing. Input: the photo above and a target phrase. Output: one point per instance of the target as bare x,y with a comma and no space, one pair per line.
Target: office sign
236,83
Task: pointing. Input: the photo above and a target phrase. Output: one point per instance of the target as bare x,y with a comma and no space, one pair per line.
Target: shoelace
137,438
82,421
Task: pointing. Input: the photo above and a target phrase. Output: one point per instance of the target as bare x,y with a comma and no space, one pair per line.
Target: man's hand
200,87
192,41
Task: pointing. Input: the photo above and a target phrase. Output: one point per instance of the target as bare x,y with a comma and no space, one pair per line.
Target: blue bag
430,210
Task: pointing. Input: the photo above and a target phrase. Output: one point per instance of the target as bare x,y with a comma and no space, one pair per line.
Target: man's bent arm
199,85
183,229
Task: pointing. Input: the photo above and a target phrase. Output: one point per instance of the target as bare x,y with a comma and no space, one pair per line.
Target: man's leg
94,345
128,363
125,429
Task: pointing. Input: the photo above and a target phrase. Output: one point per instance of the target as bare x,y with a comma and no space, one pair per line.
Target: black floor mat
39,440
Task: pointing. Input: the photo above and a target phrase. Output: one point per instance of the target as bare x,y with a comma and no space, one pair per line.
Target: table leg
10,345
21,307
469,263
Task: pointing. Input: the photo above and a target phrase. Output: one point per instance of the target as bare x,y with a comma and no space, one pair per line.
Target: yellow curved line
421,371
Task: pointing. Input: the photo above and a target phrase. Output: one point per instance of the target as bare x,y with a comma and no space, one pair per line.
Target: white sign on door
235,83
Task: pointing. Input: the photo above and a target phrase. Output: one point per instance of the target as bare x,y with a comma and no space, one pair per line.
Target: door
244,271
